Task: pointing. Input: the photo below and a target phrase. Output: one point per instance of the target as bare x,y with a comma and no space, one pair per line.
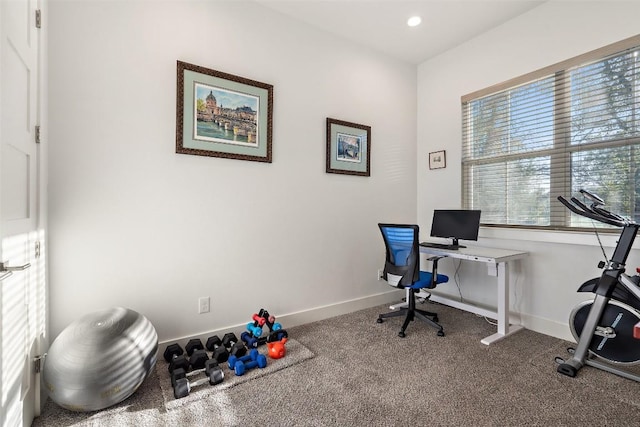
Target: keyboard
439,245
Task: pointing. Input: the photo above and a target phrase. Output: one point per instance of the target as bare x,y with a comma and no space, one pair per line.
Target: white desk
497,261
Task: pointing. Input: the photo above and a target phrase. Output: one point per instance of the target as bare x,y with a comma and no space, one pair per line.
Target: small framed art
437,160
348,148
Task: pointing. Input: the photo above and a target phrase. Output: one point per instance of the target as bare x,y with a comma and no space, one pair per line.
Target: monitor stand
456,244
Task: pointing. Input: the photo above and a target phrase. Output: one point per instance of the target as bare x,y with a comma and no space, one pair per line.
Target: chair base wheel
440,333
379,320
401,334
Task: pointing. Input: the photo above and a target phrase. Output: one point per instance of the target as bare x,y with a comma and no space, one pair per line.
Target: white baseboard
533,323
548,327
300,317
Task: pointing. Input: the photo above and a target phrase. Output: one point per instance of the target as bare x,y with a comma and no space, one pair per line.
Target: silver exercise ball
100,359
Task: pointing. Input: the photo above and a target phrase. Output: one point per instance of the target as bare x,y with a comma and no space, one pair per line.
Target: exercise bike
607,328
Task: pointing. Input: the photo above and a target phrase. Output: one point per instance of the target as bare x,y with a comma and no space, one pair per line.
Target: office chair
402,270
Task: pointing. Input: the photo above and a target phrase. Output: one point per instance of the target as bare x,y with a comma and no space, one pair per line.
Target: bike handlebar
594,211
593,197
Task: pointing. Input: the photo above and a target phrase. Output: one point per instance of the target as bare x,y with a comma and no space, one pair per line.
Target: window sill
551,236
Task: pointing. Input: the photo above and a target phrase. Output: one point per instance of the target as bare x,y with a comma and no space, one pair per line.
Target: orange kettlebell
277,349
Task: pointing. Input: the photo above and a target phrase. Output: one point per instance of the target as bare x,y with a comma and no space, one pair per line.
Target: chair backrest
402,253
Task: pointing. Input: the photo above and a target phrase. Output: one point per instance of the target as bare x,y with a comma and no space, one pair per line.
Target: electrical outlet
204,305
379,275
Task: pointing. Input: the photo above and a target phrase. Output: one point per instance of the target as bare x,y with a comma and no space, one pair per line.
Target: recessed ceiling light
414,21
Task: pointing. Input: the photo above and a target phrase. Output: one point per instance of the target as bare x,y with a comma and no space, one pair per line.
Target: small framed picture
437,160
348,148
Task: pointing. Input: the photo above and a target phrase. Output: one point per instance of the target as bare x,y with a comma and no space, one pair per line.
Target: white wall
134,224
544,293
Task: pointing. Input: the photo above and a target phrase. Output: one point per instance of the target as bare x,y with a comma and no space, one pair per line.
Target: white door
22,299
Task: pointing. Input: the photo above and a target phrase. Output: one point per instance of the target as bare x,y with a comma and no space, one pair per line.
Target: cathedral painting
225,116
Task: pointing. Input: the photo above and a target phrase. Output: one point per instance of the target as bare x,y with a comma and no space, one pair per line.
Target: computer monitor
456,225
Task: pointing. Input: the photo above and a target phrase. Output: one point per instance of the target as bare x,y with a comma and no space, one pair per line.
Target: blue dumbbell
249,340
256,331
241,367
233,360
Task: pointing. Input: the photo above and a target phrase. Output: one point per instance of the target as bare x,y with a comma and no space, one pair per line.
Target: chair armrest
434,269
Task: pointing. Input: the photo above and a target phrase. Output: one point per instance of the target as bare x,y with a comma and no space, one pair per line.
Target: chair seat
425,280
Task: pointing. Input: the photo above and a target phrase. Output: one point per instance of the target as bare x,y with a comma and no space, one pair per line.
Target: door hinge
37,134
38,18
37,249
37,363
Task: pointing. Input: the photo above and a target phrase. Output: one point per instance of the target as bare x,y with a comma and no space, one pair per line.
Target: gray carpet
361,373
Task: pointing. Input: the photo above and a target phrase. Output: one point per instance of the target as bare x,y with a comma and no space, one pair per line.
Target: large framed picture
348,148
222,115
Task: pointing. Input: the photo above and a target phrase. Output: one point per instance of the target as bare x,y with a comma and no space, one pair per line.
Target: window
570,126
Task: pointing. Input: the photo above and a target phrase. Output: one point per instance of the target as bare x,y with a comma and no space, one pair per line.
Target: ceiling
382,24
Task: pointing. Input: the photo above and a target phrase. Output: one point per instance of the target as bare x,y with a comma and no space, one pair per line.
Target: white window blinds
570,126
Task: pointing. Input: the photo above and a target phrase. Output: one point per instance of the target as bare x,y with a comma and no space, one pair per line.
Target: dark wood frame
180,99
356,128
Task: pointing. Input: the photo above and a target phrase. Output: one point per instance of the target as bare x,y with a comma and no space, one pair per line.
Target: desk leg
504,328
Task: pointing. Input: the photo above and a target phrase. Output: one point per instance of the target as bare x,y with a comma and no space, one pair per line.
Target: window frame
558,186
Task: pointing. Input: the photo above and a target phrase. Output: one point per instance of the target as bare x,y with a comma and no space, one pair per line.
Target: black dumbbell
235,347
173,354
198,359
172,351
219,351
183,386
277,335
193,345
209,366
